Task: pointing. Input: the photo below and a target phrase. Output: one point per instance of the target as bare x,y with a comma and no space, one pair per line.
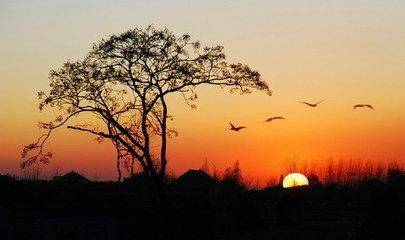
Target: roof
194,178
72,177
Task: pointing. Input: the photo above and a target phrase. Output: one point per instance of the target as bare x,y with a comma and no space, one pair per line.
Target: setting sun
295,180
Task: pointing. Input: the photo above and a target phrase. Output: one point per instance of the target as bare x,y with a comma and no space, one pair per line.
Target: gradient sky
344,51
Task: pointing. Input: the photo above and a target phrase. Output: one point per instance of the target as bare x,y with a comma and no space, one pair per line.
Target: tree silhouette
124,82
233,174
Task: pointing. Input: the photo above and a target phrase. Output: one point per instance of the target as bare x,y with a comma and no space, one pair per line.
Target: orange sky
343,51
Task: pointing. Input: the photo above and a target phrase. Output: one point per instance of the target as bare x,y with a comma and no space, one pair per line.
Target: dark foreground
200,208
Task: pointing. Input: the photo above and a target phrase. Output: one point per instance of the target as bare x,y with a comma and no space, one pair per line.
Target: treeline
327,172
344,172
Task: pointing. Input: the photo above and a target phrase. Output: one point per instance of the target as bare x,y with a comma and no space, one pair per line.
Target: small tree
233,174
204,167
124,82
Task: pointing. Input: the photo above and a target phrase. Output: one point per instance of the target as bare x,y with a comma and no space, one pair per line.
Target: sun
294,180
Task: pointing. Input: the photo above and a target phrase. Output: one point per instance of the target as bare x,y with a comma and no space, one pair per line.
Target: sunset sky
345,51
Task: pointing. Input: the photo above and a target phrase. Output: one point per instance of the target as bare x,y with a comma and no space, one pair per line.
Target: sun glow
294,180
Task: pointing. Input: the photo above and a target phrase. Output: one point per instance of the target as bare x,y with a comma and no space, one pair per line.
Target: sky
345,52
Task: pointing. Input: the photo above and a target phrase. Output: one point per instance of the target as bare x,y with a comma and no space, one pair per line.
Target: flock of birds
237,129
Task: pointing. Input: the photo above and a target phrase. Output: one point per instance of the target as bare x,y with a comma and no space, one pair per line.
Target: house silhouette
194,178
71,177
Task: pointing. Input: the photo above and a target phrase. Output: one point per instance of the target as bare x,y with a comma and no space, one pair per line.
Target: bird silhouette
363,106
273,118
312,104
236,129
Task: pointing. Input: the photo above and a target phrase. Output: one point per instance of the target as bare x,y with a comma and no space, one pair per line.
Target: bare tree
124,82
233,174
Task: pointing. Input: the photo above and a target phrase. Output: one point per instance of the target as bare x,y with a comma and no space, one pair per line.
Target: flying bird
363,106
273,118
312,104
236,129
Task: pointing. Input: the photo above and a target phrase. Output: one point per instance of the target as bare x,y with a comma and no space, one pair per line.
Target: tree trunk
119,169
132,167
